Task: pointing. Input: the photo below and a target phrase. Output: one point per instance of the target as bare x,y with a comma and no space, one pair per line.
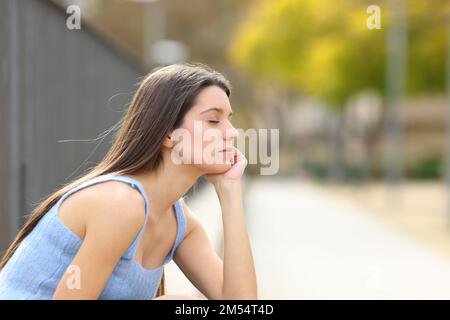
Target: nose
231,132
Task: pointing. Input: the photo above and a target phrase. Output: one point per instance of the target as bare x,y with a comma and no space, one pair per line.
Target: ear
168,142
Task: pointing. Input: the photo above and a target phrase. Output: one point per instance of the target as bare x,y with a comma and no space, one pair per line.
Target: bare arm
235,277
239,276
178,297
113,222
196,258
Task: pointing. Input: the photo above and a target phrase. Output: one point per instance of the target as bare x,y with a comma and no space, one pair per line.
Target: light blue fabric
35,269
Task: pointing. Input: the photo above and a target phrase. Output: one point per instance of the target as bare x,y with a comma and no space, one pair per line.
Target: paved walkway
311,244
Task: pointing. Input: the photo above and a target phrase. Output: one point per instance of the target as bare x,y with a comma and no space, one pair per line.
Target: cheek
202,142
196,147
207,140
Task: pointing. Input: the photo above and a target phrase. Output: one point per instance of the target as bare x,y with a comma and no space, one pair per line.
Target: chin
214,168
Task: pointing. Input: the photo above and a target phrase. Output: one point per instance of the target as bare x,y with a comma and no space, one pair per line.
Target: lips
227,150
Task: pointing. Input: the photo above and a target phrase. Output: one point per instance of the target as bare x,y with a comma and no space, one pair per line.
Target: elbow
240,295
240,290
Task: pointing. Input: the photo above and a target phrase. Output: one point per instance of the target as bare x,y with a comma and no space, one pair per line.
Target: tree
324,49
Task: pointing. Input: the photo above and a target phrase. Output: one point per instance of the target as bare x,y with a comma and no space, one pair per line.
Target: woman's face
206,131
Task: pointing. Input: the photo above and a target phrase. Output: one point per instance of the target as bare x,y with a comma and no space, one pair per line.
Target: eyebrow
216,109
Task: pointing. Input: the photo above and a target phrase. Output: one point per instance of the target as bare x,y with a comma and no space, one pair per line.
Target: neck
165,185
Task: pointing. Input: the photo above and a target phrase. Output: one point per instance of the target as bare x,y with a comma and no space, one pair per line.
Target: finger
240,156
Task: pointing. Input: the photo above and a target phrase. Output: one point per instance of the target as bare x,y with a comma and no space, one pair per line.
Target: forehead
211,96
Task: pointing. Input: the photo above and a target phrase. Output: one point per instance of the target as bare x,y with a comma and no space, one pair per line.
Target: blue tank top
41,259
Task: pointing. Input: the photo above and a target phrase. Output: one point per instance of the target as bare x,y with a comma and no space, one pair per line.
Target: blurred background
359,91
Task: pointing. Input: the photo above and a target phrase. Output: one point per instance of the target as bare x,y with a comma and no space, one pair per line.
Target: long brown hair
158,106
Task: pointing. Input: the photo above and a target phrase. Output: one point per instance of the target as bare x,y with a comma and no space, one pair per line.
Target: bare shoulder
113,214
117,200
110,203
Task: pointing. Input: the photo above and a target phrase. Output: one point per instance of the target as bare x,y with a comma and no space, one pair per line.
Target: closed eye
213,121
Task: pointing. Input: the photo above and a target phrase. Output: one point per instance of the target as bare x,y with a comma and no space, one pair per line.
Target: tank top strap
181,220
181,230
130,252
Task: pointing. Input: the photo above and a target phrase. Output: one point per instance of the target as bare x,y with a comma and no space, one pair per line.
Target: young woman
109,234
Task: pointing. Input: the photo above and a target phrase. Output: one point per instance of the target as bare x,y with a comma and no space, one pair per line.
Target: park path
308,243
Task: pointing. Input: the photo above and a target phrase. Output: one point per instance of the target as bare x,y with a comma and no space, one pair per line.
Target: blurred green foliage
430,167
323,48
427,167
